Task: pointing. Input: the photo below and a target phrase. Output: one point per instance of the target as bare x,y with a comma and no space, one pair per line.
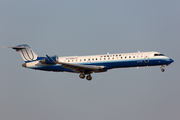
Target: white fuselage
109,61
85,65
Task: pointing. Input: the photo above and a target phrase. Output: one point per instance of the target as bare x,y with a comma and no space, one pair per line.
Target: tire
89,77
82,76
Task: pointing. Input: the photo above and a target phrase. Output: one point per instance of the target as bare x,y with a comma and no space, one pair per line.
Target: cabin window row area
105,58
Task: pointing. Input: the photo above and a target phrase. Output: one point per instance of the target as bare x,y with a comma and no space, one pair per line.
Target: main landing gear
162,68
88,77
82,76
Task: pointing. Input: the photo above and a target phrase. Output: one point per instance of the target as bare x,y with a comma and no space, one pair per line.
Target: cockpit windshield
158,54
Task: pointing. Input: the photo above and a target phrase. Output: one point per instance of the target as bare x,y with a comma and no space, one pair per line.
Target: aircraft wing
79,68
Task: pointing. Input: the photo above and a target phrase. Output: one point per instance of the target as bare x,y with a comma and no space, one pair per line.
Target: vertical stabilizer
26,52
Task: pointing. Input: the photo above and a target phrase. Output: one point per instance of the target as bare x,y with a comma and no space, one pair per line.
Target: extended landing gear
89,77
82,76
162,68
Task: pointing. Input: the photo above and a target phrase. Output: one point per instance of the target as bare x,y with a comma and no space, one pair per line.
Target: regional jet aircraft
86,65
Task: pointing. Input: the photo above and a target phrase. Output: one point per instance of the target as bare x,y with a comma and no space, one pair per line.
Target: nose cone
171,60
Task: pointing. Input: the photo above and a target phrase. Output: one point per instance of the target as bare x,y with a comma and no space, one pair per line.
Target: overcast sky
81,27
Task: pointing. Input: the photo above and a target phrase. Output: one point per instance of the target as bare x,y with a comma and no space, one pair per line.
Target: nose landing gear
162,68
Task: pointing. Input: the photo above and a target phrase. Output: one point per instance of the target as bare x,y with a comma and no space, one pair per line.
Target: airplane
86,65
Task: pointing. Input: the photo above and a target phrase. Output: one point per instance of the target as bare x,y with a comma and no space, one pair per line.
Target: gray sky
68,28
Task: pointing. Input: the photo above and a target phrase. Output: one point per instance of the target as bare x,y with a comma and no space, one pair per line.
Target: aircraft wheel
89,77
162,70
82,76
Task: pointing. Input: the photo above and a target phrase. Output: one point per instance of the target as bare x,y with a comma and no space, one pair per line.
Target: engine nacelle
50,60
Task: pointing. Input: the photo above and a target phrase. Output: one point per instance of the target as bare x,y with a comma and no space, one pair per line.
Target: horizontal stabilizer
16,48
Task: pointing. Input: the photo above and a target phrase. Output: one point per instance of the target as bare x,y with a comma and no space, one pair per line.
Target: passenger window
84,59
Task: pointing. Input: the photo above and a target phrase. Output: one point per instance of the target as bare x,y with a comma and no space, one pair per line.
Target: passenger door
146,58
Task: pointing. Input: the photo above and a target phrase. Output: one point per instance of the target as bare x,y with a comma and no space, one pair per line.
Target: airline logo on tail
26,52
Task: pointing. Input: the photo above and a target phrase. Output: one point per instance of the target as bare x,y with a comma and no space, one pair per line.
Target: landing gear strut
162,68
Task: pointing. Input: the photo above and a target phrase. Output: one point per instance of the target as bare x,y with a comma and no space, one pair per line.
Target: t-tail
26,52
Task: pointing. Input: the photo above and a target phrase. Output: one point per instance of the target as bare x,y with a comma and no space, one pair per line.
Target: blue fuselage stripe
109,64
